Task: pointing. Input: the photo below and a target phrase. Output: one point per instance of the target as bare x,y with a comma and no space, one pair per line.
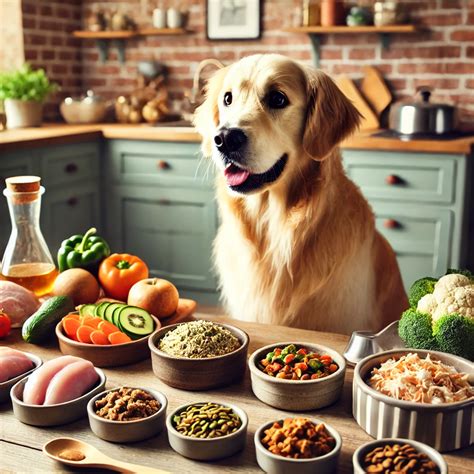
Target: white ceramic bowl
207,449
128,431
297,395
360,453
275,464
6,386
53,415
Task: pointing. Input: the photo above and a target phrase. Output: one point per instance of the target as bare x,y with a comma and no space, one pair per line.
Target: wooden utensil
70,447
375,90
369,119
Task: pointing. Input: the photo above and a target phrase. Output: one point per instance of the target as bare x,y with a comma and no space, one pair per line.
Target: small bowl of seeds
199,355
207,431
398,455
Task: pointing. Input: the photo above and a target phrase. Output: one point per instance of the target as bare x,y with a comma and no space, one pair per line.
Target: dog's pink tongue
235,176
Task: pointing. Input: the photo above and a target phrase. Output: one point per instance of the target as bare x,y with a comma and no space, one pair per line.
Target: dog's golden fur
302,251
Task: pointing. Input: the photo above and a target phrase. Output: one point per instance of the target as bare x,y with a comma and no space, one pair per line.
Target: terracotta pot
23,113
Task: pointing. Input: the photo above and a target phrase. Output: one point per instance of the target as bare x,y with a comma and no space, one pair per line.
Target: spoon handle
129,468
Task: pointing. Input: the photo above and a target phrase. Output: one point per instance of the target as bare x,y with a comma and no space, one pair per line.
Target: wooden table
20,445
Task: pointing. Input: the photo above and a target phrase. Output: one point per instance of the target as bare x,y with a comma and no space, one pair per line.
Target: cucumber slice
87,310
100,309
115,315
136,322
110,310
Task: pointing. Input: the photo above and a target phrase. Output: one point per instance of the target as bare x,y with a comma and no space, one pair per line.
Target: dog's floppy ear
330,116
206,116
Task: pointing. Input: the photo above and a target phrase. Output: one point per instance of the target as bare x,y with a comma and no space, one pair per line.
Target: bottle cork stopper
23,184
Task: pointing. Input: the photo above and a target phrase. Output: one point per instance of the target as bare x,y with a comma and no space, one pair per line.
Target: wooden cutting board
375,90
369,118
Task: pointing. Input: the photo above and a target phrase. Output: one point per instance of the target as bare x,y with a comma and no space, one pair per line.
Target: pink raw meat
12,366
71,382
6,351
35,388
18,302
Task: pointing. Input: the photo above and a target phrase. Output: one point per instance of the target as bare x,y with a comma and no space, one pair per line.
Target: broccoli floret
454,333
416,331
466,273
420,288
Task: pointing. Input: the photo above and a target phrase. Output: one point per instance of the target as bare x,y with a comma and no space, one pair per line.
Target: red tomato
5,325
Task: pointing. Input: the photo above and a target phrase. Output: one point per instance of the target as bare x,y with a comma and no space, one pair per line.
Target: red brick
437,84
31,55
470,51
362,53
46,10
460,68
421,68
48,54
462,35
29,22
441,19
59,69
28,7
470,83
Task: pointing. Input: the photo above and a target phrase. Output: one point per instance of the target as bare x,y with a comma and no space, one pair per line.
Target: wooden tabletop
51,134
20,445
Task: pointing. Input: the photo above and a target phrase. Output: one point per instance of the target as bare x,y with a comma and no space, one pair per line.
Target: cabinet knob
163,165
393,179
391,224
71,168
72,201
163,202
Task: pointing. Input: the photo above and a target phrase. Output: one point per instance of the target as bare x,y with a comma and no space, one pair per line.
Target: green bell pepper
83,251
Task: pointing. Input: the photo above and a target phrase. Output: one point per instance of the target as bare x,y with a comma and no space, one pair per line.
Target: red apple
159,297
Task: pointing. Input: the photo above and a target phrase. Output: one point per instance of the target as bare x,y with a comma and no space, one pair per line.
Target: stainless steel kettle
422,116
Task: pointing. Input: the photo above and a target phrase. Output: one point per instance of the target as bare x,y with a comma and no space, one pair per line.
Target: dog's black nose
230,139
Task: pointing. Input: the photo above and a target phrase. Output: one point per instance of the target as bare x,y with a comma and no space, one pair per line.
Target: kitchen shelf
103,38
315,32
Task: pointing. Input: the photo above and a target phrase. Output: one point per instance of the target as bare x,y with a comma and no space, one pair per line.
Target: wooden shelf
351,29
162,31
104,35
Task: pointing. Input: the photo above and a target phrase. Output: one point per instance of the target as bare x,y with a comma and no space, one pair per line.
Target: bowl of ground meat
127,414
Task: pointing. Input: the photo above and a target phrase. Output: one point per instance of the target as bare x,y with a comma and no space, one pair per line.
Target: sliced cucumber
115,315
99,311
110,310
135,322
87,310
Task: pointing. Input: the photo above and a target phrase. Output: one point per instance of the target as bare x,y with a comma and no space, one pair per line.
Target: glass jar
27,260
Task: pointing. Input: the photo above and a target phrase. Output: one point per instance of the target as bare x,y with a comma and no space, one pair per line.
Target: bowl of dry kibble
297,445
398,455
127,414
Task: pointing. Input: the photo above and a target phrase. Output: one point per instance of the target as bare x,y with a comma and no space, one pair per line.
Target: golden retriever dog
297,244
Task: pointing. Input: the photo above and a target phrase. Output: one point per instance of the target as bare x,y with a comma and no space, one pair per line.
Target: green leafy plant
25,84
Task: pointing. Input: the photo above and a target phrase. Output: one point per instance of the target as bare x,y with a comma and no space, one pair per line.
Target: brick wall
442,55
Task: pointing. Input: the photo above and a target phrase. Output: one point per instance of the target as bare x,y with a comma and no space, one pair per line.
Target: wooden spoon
75,449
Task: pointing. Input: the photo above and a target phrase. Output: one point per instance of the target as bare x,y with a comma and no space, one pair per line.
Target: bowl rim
418,445
157,395
252,363
37,361
15,399
332,431
155,336
236,409
64,338
362,384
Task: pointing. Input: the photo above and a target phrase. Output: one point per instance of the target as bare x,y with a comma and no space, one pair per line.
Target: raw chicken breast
71,382
35,388
12,365
18,302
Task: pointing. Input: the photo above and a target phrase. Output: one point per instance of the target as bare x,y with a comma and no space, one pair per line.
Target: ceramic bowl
275,464
6,386
199,374
52,415
207,449
297,395
128,431
445,427
360,453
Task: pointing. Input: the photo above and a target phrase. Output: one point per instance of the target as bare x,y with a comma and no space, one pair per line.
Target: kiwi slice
135,322
87,310
109,310
100,310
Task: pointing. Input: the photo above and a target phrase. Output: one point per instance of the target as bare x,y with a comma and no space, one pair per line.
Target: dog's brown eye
277,100
228,98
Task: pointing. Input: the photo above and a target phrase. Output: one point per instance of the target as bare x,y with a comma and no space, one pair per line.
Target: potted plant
23,92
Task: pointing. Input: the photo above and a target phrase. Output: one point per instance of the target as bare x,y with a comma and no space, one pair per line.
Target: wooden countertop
50,134
20,444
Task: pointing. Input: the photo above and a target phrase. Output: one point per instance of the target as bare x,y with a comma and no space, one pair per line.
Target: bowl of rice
199,355
425,396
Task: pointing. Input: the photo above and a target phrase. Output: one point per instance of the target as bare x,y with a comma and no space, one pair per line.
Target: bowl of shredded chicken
427,396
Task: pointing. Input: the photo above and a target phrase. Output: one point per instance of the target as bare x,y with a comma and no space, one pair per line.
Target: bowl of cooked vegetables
297,445
426,396
297,376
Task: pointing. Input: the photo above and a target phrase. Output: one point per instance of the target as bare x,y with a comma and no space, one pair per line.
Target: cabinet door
69,211
172,229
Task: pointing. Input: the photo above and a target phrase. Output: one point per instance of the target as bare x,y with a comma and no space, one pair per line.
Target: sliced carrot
83,334
70,326
75,316
118,337
99,338
108,328
91,321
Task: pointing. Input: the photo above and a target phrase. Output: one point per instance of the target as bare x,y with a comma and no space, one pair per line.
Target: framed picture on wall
233,19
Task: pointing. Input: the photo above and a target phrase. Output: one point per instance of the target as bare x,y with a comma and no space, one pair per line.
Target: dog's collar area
253,182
